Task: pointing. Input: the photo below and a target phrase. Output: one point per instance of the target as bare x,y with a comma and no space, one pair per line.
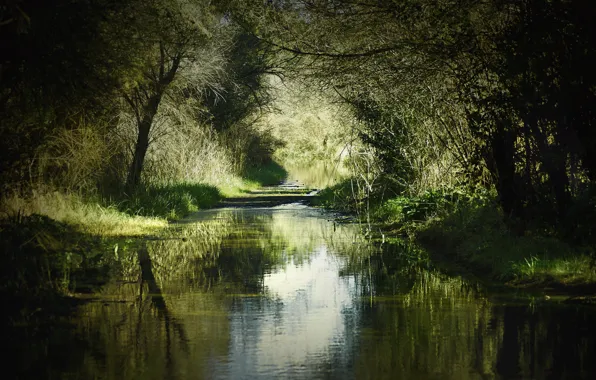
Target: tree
400,55
61,64
244,97
180,43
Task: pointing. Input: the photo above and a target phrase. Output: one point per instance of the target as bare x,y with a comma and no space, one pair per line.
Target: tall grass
74,159
474,233
86,216
171,201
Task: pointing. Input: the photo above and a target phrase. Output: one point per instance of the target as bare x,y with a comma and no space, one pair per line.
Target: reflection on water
319,174
285,293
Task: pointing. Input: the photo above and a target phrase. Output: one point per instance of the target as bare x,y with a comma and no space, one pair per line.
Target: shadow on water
158,301
284,292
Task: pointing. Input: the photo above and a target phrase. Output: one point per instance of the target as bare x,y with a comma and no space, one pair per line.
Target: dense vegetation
116,116
485,102
113,97
466,124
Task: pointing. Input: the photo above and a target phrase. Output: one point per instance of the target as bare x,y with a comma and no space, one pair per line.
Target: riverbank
55,245
467,234
476,239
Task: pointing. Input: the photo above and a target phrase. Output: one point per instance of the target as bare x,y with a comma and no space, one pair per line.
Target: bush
170,201
404,209
342,197
265,175
475,234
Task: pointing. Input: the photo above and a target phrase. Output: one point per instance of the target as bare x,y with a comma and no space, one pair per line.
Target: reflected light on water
285,293
313,297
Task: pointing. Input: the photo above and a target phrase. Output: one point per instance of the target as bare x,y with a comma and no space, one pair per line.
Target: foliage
388,134
474,234
341,196
181,56
266,175
417,209
101,93
311,126
170,201
491,94
58,69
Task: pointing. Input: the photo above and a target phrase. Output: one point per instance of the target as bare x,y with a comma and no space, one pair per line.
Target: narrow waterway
286,292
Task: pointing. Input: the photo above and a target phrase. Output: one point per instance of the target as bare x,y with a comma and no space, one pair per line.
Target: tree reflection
423,324
158,301
243,292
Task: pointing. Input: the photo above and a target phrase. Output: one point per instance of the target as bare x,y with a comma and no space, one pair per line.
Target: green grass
170,201
470,230
86,215
338,197
267,175
474,234
54,243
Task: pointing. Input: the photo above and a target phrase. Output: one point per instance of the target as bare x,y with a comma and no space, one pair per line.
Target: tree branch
297,51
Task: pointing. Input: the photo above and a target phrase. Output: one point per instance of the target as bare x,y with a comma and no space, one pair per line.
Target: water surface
285,292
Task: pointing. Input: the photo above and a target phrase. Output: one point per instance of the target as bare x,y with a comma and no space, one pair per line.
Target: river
287,292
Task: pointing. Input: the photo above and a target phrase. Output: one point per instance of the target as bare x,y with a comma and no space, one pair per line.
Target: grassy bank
474,235
269,174
469,230
169,201
86,215
56,244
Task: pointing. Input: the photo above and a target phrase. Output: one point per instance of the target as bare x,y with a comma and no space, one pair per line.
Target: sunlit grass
236,187
567,270
172,201
87,217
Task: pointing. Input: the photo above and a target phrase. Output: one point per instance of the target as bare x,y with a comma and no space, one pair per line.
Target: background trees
58,68
493,93
181,54
94,91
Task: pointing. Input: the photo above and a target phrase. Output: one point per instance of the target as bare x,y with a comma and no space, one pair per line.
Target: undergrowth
469,228
341,196
474,233
170,201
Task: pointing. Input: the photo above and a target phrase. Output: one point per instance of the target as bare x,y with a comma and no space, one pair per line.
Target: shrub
170,201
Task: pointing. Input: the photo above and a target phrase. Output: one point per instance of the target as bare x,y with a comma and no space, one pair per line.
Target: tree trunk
149,110
554,161
136,168
502,148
